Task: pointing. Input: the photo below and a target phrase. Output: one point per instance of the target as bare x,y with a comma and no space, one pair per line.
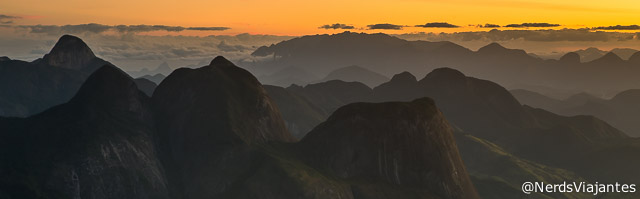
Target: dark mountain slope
209,119
333,94
98,145
299,114
157,78
409,145
27,88
145,85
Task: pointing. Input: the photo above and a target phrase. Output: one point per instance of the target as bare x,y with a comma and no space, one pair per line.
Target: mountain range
390,55
619,111
214,132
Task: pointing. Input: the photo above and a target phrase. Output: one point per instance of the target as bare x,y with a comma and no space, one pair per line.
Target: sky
137,34
295,17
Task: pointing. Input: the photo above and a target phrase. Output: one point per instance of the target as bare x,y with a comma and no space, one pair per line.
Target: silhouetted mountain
590,54
69,52
208,120
356,74
404,80
570,58
146,86
535,99
157,78
32,87
98,145
299,114
635,58
4,58
333,94
162,69
620,111
409,145
288,76
390,55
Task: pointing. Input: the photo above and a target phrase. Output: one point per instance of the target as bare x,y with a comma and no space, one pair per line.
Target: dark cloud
336,26
208,28
532,25
489,26
100,28
438,25
7,19
618,27
495,35
385,26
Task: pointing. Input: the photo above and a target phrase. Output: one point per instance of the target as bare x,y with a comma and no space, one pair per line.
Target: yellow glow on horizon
292,17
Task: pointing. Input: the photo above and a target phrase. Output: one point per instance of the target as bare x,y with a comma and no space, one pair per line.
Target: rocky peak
69,52
403,143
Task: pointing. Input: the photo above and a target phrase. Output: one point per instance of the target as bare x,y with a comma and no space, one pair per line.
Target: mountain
619,111
162,69
209,119
388,55
529,143
408,144
287,76
570,58
535,99
333,94
299,113
635,58
356,74
145,85
98,145
32,87
590,54
69,52
157,78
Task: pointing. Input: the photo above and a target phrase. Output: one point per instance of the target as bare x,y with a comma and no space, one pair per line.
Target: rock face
98,145
405,144
70,52
208,120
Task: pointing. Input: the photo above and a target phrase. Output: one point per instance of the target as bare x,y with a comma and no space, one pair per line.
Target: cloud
495,35
488,26
336,26
223,46
385,26
7,19
100,28
532,25
438,25
208,28
618,27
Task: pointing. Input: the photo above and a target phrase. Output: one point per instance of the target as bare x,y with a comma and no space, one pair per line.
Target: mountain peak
404,76
445,73
635,58
570,57
69,52
109,87
220,61
492,47
609,57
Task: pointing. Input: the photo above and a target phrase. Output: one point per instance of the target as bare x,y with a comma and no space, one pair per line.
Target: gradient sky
295,17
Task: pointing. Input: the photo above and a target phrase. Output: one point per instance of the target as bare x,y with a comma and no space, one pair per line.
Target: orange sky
300,17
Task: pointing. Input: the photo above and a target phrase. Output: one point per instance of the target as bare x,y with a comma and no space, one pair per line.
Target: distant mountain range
491,125
162,69
590,54
390,55
621,111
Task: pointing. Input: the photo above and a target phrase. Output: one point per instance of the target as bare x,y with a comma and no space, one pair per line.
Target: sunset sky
295,17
